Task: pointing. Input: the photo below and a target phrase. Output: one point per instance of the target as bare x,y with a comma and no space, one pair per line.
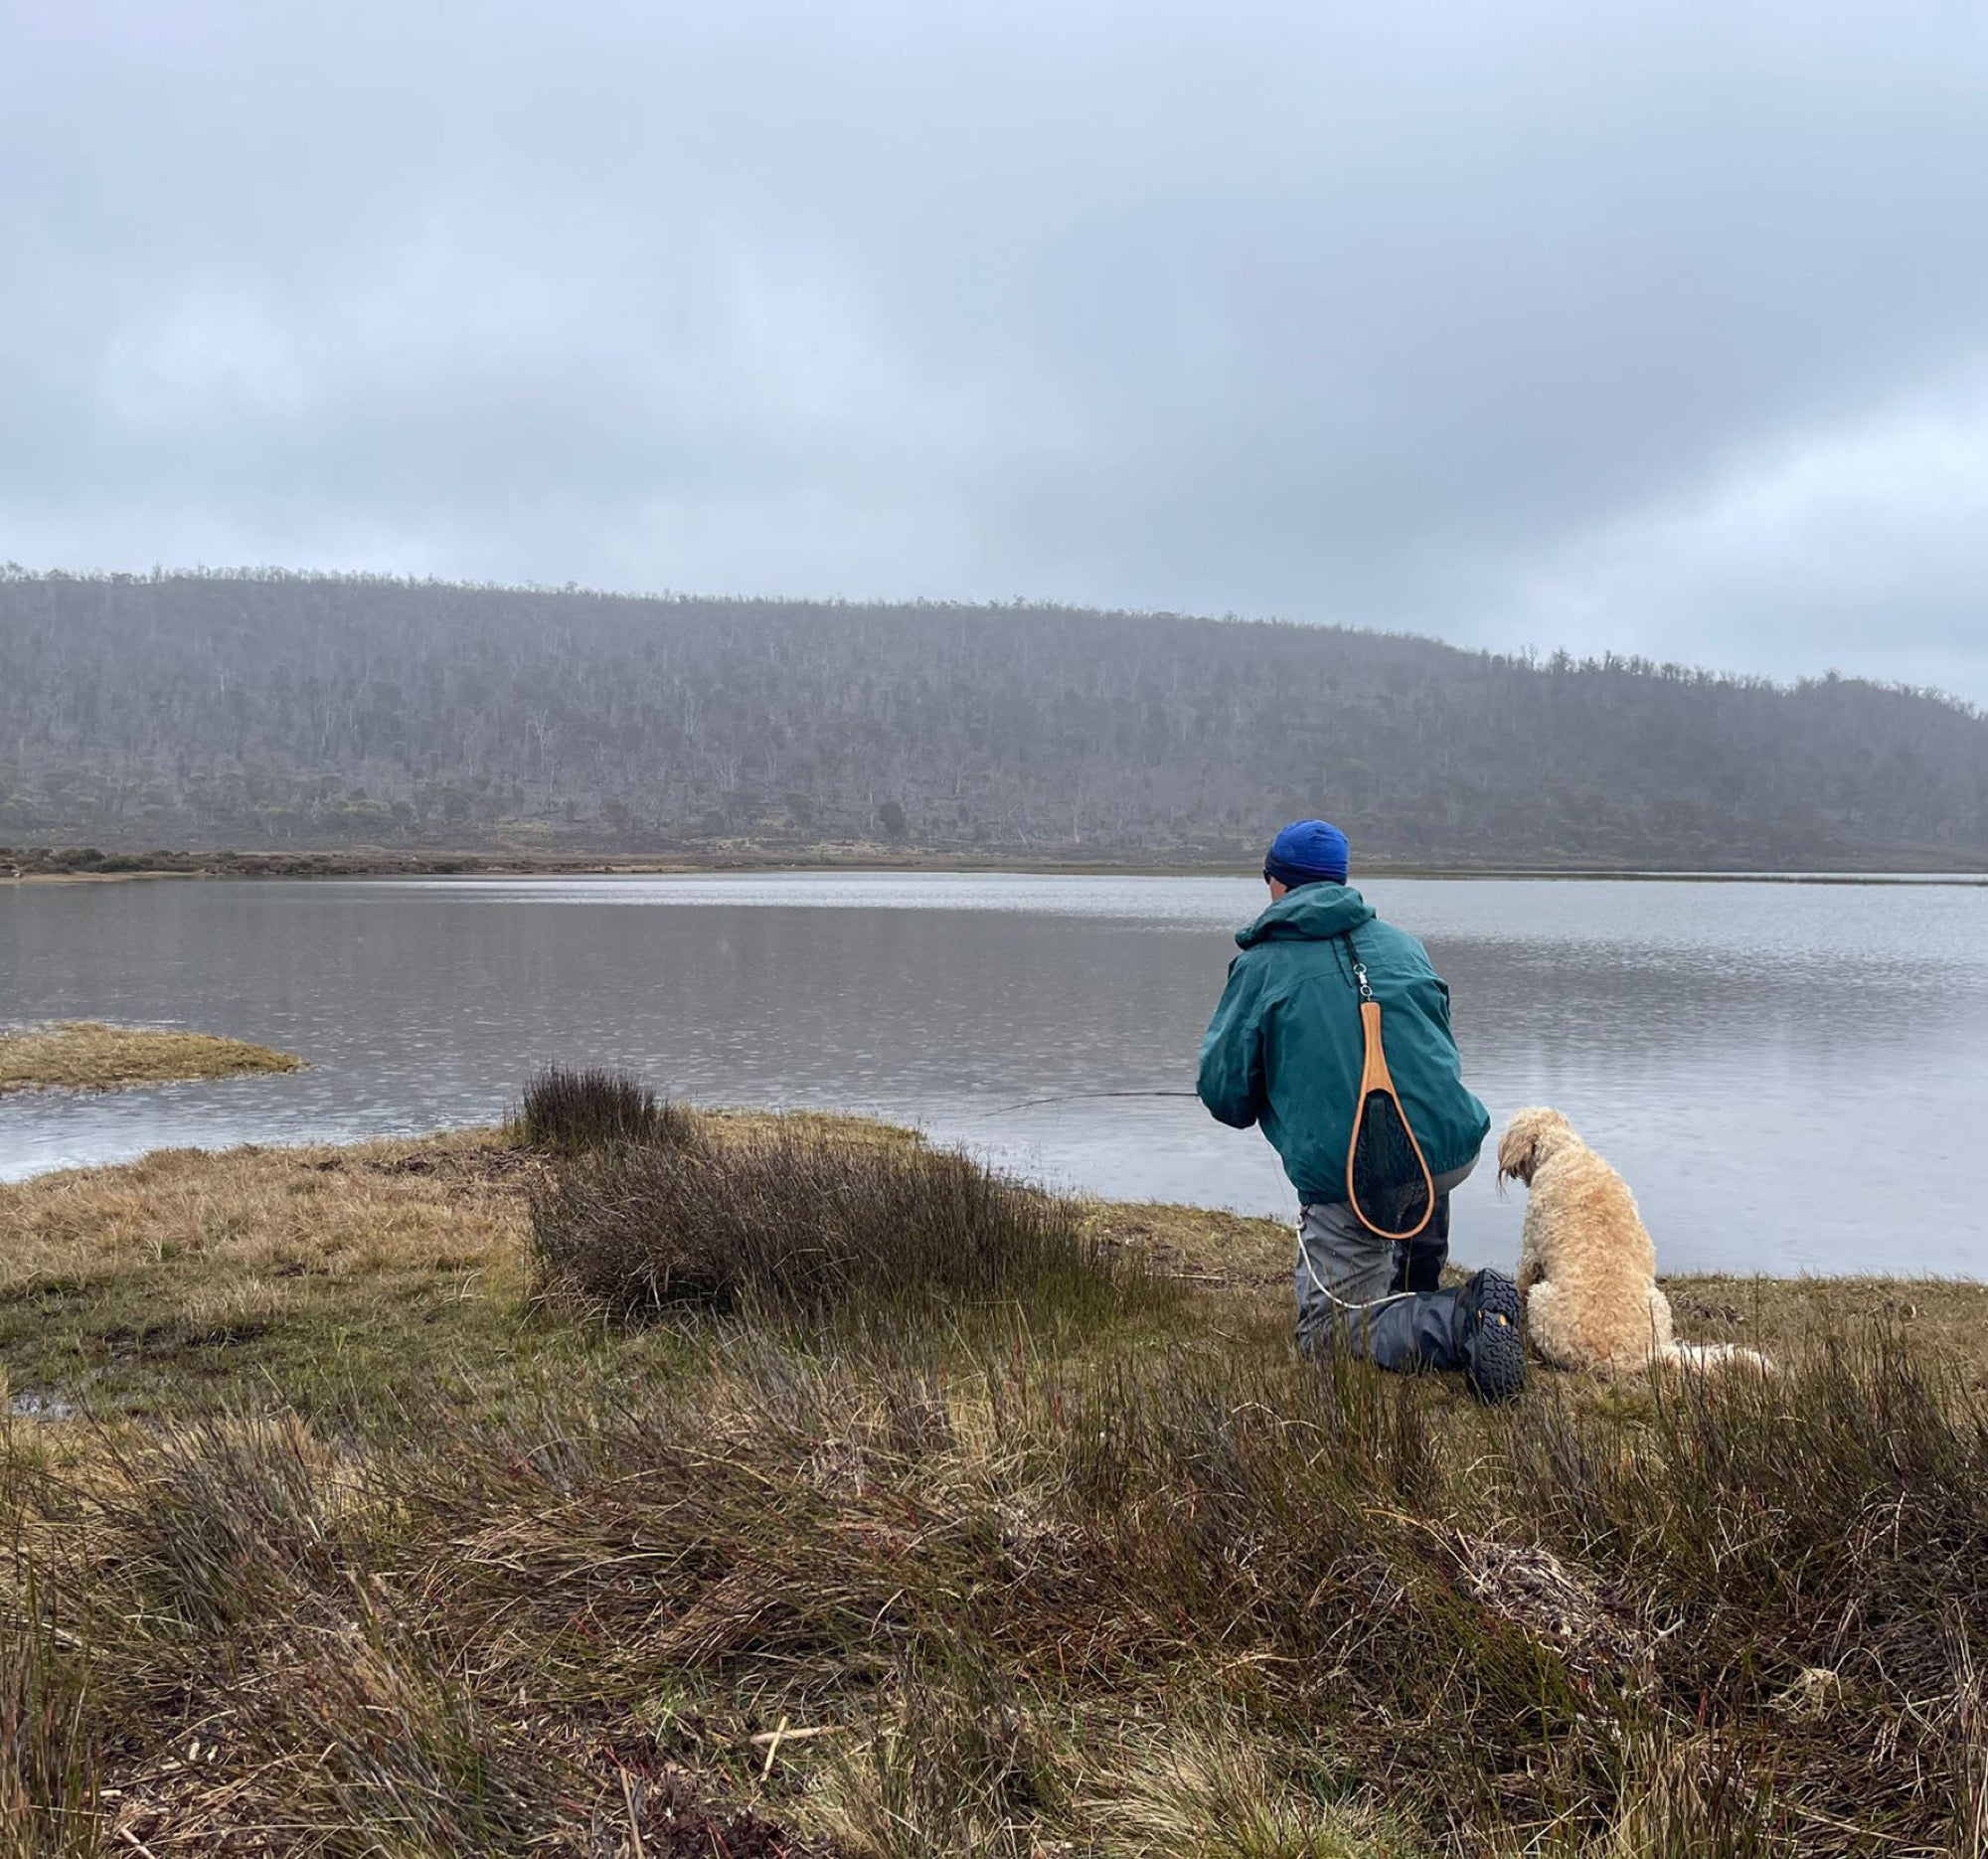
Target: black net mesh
1391,1191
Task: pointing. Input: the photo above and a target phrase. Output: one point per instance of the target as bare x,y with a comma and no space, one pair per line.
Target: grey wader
1380,1299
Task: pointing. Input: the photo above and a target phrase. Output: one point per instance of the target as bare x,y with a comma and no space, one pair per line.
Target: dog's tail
1713,1356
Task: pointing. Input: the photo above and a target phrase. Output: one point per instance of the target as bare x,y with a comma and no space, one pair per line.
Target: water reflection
1789,1076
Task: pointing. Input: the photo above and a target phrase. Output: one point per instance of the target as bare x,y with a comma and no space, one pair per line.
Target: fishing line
1080,1097
1332,1297
1305,1258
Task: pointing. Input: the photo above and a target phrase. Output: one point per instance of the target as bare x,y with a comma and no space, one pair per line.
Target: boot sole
1497,1369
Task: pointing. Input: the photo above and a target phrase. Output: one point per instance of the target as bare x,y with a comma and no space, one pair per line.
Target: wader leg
1343,1271
1418,1262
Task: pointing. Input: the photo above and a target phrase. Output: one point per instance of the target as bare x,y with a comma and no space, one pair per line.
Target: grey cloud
1509,324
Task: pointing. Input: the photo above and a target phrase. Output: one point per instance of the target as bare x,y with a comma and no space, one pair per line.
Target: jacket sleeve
1438,995
1230,1083
1442,1007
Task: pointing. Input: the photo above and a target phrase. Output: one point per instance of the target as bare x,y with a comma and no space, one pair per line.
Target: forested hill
274,710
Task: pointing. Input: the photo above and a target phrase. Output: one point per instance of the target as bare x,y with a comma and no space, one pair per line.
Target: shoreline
1215,1246
880,861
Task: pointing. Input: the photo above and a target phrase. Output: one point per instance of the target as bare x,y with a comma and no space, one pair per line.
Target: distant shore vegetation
86,1055
279,713
86,865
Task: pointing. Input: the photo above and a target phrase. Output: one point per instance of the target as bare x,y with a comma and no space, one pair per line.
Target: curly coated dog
1587,1266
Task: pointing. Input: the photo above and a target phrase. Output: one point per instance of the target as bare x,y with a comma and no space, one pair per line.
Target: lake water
1793,1078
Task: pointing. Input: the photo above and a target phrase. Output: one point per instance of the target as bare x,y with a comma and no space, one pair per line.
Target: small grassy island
85,1055
642,1482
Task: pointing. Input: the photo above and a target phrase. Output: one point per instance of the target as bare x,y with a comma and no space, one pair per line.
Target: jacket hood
1311,913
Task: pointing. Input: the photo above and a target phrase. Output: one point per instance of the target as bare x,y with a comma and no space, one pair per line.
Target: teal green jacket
1284,1047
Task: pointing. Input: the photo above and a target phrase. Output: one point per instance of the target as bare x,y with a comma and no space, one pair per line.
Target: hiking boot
1489,1337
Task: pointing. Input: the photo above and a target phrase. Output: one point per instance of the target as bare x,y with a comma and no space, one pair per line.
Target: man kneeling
1285,1050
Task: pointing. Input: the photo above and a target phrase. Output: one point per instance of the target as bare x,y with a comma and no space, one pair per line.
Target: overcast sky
1639,324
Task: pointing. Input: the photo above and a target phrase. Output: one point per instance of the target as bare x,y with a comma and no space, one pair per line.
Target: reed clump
573,1112
785,1219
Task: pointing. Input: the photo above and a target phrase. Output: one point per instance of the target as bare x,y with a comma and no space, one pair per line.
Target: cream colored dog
1587,1271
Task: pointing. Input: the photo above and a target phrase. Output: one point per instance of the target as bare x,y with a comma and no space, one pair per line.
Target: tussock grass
836,1573
84,1054
49,1803
570,1112
1160,1602
790,1220
1213,1785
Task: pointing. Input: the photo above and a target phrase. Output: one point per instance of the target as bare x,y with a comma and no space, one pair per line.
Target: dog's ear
1518,1148
1515,1158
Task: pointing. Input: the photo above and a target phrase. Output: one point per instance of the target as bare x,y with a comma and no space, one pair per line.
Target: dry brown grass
301,1270
1203,1244
397,1210
85,1055
383,1209
176,1281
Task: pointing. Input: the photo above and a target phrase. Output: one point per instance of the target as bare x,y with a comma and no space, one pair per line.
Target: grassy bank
466,1495
84,1054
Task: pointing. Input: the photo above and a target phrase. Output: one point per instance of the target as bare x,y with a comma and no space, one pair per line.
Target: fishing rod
1078,1097
1305,1258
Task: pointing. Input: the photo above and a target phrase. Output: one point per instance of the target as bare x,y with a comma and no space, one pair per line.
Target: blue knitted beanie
1307,852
